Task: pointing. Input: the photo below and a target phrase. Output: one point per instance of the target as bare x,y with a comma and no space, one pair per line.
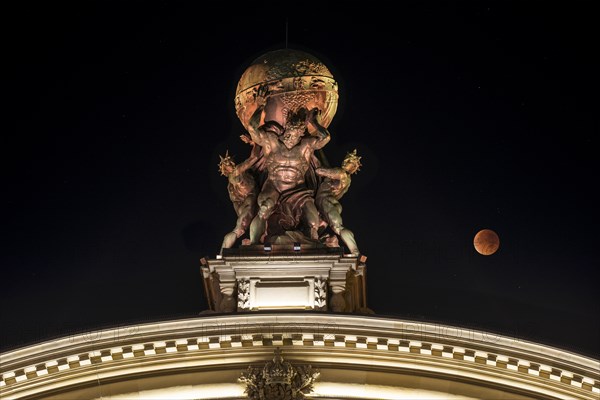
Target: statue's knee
239,232
262,212
336,227
313,223
265,209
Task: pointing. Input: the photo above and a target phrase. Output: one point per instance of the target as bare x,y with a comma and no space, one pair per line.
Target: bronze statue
335,184
242,192
285,100
287,152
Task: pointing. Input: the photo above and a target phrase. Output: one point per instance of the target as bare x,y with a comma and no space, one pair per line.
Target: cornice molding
353,342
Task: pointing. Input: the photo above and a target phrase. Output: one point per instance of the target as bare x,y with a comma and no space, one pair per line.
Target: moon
486,242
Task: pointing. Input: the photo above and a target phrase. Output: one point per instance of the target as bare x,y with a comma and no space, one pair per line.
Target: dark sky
468,115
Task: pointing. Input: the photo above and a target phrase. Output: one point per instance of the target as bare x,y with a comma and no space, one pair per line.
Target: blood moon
486,242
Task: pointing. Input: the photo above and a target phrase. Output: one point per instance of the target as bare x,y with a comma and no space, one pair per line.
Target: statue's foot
228,241
348,238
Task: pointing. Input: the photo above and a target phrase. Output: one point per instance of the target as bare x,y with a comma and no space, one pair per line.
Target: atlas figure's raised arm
259,136
321,133
331,173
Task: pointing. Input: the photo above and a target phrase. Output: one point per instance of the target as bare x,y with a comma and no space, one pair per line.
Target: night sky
467,115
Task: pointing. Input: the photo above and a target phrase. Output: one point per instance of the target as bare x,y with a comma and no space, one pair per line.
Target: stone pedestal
252,278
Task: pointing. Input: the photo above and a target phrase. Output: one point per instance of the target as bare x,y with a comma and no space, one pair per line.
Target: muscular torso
286,167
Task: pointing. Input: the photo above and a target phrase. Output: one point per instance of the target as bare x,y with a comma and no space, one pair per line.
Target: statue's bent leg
257,228
332,211
348,238
246,212
266,205
311,216
333,214
229,240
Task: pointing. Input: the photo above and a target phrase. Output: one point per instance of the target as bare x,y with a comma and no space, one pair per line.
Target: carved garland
320,293
243,294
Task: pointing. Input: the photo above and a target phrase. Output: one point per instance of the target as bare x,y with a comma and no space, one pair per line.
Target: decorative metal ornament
279,380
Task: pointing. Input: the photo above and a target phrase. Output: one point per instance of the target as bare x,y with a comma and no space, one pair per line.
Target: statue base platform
298,276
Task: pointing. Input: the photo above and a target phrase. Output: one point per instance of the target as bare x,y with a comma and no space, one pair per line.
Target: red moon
486,242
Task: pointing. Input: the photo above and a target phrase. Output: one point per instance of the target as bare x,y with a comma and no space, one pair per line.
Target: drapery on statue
334,186
242,192
287,153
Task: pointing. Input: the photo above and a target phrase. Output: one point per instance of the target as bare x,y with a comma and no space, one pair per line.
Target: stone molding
366,343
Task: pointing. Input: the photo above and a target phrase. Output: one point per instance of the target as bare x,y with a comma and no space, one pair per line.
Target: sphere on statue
286,80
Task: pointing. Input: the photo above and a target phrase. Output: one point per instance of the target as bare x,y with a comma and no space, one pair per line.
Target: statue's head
226,165
351,163
294,129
